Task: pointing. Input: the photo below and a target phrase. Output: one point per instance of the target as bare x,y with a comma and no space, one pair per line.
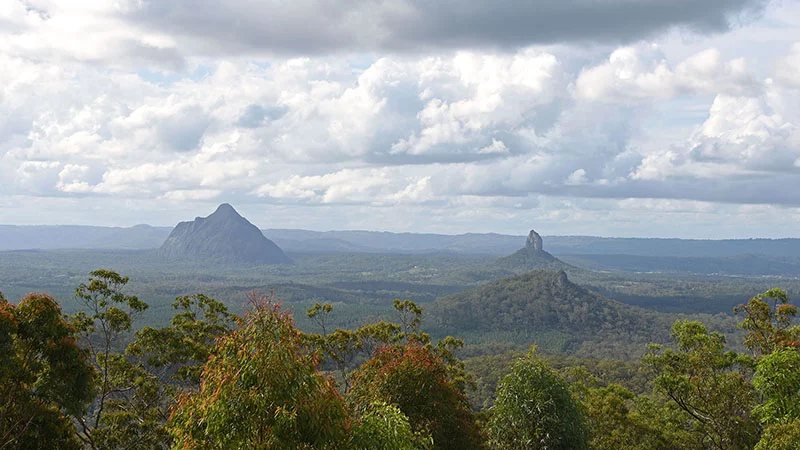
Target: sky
640,118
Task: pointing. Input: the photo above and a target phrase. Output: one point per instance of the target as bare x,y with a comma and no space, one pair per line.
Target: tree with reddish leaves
415,378
769,321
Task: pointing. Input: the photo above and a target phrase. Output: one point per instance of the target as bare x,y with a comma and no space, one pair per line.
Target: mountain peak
225,208
534,241
532,257
222,237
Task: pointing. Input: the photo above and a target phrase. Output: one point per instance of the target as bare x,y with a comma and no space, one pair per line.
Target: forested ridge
214,379
546,308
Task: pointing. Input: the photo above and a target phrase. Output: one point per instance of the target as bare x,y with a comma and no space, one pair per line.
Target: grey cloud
757,188
321,26
776,189
255,115
183,130
519,22
168,58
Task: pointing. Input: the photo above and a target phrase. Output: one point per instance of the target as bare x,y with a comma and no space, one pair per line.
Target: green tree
619,420
106,320
385,427
261,389
340,347
44,376
774,339
709,384
781,436
778,380
178,352
534,409
170,361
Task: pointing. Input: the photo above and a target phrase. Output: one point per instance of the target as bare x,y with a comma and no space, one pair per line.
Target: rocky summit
532,257
534,241
224,237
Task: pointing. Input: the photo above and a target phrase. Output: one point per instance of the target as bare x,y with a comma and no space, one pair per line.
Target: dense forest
214,379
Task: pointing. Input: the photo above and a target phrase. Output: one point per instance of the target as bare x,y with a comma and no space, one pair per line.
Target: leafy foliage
260,389
255,382
108,318
181,349
768,321
781,436
385,427
417,380
778,380
709,384
534,409
44,376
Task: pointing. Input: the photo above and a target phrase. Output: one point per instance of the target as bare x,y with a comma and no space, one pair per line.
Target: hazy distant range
142,237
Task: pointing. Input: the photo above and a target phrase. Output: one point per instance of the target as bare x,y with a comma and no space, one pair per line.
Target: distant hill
324,245
684,248
545,308
51,237
738,265
141,237
532,257
224,237
387,242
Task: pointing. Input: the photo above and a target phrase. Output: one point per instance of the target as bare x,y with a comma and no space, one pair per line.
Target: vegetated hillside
545,308
744,265
224,237
526,259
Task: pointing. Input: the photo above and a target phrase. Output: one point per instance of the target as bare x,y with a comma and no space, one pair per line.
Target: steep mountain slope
532,257
223,237
545,308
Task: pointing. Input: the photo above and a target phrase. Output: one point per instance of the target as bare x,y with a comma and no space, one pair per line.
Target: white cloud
351,186
788,68
474,94
642,74
496,147
470,135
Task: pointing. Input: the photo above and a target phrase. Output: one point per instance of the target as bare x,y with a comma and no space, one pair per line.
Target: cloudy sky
670,118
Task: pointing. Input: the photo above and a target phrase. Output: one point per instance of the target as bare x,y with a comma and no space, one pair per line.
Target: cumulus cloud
429,129
642,74
788,70
469,129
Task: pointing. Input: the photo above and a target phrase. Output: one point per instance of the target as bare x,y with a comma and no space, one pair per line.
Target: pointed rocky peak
534,241
532,257
222,237
226,209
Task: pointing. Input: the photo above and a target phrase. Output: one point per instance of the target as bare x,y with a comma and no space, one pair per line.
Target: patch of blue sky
167,78
361,62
